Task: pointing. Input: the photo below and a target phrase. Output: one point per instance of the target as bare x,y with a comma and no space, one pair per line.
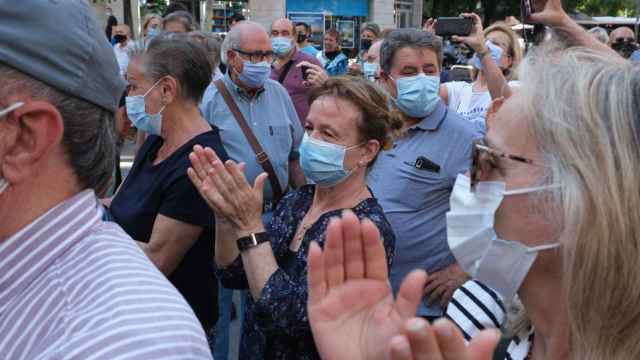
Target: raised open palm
351,307
352,311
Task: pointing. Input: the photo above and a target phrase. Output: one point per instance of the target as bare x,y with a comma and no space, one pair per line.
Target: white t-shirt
122,55
471,105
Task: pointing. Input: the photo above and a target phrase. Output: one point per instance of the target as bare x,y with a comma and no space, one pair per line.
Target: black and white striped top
475,307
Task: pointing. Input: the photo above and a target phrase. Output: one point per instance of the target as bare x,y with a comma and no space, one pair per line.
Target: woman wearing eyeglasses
550,212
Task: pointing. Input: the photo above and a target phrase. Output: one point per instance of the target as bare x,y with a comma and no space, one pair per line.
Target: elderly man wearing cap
71,286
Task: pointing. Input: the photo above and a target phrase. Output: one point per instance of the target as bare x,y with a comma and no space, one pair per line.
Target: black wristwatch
253,240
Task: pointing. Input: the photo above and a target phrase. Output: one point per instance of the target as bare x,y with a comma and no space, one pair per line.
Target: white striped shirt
74,287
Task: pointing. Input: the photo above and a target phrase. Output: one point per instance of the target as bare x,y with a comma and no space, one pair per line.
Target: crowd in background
374,205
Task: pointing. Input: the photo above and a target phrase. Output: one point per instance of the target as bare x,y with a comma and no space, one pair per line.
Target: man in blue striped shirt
71,286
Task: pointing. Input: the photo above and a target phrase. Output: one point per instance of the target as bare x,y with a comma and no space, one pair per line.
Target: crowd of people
361,209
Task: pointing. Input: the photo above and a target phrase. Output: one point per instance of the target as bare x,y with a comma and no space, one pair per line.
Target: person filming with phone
285,69
497,55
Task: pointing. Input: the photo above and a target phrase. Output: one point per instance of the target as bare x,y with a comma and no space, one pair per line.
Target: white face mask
4,184
500,264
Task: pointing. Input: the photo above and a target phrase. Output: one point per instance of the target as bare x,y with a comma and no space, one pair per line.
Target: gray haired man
271,117
71,286
414,179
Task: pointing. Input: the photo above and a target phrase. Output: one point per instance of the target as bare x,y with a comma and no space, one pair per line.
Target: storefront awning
334,7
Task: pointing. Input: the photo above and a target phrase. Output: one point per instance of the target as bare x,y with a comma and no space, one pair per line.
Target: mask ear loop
151,88
147,93
544,247
530,189
15,106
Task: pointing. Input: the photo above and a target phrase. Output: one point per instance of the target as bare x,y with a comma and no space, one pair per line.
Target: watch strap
251,241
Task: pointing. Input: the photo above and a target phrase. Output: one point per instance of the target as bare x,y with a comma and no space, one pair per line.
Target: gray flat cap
60,43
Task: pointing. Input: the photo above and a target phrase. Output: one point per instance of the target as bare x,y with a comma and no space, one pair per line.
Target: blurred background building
213,15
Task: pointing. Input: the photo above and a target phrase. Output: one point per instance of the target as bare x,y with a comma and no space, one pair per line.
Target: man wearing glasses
271,116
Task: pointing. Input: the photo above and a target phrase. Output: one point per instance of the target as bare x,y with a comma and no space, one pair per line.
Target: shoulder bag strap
285,70
261,157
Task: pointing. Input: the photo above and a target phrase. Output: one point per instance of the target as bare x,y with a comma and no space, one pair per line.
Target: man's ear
38,129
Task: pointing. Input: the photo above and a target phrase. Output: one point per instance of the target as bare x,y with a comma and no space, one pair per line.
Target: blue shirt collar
240,91
432,121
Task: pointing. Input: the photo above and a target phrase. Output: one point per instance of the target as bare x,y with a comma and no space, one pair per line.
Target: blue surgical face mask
370,70
137,113
494,50
151,33
281,45
4,184
418,95
255,75
323,162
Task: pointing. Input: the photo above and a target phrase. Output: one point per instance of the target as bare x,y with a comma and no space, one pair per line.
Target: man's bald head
623,33
247,36
283,27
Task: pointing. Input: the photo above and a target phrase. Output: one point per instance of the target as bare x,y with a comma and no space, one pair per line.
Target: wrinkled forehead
282,25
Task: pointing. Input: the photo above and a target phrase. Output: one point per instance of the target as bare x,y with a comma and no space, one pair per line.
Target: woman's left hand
226,190
476,39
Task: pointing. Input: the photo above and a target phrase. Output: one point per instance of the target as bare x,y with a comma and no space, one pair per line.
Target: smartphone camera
305,73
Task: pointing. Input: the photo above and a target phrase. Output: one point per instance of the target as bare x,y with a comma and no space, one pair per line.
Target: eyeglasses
256,56
624,40
485,158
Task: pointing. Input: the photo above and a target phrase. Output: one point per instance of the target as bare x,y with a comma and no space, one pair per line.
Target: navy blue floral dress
277,325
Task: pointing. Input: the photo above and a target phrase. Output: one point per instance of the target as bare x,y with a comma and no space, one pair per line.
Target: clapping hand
225,189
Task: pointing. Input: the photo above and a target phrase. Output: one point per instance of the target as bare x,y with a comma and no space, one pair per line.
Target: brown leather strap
261,156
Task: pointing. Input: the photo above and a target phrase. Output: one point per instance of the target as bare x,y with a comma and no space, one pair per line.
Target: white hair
600,34
233,40
582,107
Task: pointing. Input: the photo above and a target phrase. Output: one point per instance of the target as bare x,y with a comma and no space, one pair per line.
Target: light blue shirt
311,50
415,200
273,120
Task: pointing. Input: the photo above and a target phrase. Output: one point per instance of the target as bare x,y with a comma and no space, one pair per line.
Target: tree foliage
493,10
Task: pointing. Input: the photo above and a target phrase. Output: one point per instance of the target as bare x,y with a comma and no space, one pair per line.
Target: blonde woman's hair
514,51
147,19
584,109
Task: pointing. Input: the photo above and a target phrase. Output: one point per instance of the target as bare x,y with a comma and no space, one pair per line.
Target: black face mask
119,38
365,44
625,47
301,38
